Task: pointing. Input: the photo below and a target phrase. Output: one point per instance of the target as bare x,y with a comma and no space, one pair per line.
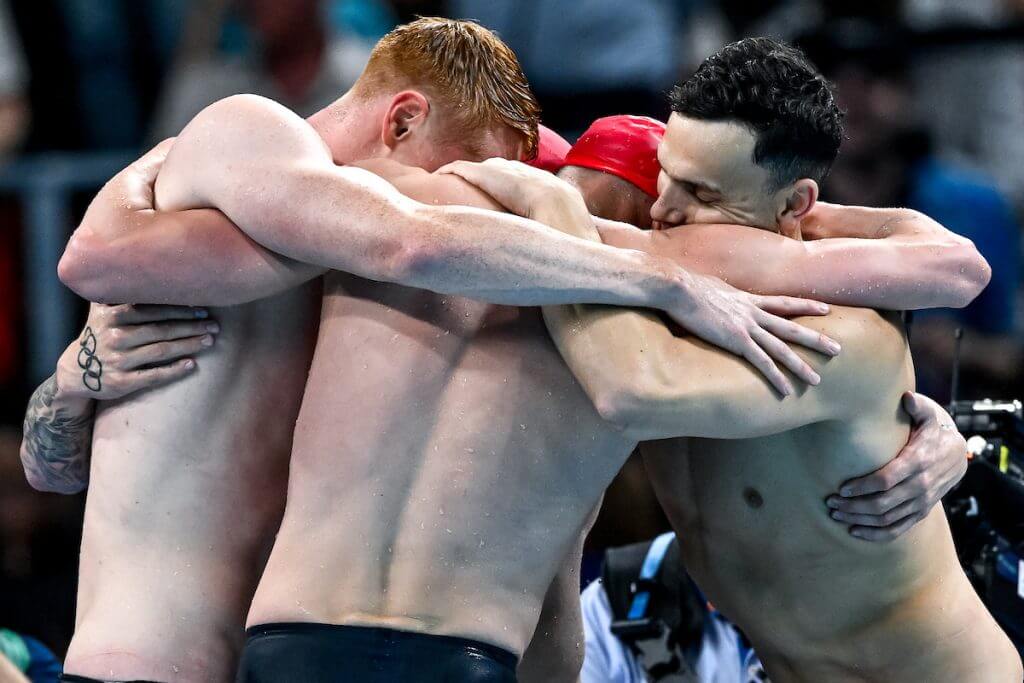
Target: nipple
753,498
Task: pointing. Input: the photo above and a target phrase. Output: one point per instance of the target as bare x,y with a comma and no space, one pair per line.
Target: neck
337,124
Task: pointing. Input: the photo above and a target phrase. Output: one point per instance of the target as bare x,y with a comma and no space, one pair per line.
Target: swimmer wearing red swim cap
615,167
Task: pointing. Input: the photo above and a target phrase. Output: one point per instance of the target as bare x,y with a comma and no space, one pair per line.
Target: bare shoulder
250,125
862,330
229,144
875,359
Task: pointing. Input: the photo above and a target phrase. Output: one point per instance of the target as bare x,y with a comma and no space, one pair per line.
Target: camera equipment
985,510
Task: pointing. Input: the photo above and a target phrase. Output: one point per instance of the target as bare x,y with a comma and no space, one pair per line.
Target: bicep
606,347
726,398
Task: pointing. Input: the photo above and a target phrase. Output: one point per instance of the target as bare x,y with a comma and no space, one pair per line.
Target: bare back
819,604
445,461
186,489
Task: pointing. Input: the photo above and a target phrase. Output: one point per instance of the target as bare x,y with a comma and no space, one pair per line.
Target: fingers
125,338
128,314
881,512
467,170
888,476
885,534
150,378
795,333
779,351
162,353
791,307
757,357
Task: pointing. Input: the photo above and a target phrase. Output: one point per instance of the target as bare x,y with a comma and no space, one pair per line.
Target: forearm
895,273
485,255
57,440
940,261
195,257
517,262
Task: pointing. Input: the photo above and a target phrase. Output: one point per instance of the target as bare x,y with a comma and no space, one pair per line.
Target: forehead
715,153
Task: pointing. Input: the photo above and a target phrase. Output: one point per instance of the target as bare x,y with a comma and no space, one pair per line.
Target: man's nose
665,214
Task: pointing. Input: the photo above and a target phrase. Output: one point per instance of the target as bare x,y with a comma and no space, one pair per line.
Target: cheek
713,214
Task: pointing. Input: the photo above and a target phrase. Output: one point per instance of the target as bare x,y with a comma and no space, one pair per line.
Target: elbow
82,268
417,255
625,407
64,488
39,481
970,277
613,408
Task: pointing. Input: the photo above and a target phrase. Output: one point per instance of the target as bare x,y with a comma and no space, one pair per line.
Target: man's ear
407,111
798,200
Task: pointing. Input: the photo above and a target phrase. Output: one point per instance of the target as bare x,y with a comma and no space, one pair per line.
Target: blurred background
934,91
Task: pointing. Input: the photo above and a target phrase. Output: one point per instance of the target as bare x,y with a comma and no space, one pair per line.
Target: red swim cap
625,146
551,151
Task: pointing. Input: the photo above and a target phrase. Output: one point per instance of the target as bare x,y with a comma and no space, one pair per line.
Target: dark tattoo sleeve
56,446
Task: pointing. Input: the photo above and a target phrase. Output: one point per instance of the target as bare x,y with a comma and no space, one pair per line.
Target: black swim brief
321,653
70,678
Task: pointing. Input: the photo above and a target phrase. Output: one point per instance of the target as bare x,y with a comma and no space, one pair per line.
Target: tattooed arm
123,350
57,439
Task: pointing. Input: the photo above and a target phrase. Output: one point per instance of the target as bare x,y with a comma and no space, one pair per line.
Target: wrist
669,286
564,213
71,392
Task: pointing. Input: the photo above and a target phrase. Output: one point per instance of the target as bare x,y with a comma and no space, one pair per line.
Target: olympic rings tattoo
90,362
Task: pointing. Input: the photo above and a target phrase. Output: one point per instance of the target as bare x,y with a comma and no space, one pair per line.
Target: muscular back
186,489
818,603
445,461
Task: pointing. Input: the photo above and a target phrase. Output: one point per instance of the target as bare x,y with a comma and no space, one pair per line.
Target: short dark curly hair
772,88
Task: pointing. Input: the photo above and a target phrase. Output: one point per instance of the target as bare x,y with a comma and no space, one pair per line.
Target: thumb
148,165
453,167
916,406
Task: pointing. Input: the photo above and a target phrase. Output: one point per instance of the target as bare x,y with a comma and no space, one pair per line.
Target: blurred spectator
282,50
26,660
39,539
888,161
974,93
14,112
591,58
646,620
